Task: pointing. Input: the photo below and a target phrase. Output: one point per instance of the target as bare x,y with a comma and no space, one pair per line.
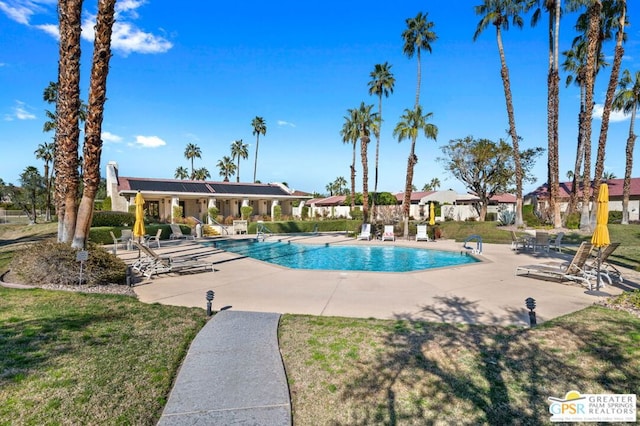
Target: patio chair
571,271
155,238
607,270
541,241
518,242
176,233
388,234
365,233
557,242
124,240
153,263
421,233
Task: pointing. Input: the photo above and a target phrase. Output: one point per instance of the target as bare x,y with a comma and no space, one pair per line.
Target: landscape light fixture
210,296
531,305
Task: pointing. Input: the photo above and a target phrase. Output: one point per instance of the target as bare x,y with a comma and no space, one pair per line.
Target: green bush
114,219
356,214
50,262
615,217
573,221
246,212
304,215
106,204
277,212
213,212
529,217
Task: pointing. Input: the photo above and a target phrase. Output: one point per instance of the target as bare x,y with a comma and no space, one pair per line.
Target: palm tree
553,7
227,167
366,122
340,184
614,17
181,173
259,128
45,153
409,127
201,174
417,36
432,186
498,13
92,149
628,99
68,107
239,150
350,135
381,83
190,152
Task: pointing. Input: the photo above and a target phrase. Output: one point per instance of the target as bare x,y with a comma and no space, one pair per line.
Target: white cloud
50,29
110,137
615,116
149,142
283,123
17,12
20,112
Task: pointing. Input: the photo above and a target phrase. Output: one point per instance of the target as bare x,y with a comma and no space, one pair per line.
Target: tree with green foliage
190,152
227,167
181,173
30,195
411,123
485,167
417,37
433,185
350,135
44,152
201,174
239,150
259,128
366,122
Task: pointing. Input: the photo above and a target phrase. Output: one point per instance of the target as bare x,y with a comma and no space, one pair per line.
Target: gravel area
12,281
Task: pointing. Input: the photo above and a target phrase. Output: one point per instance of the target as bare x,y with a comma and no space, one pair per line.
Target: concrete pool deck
488,292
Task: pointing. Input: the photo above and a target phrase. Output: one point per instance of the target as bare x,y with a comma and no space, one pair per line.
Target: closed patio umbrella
600,236
138,226
432,214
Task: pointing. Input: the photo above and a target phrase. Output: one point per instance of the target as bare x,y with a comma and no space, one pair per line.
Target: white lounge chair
125,239
421,233
176,233
155,238
365,233
572,271
152,263
556,244
388,233
607,270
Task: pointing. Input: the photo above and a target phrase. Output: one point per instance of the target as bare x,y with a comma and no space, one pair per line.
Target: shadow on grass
435,373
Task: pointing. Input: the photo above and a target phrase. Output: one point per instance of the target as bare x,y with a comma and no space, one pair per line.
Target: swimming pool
374,258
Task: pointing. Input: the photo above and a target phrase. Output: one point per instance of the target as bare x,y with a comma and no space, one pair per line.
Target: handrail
262,231
223,227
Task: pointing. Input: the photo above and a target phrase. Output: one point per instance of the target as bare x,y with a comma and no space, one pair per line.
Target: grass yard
369,372
90,359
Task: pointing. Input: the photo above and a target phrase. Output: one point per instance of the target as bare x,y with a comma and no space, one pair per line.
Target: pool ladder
262,232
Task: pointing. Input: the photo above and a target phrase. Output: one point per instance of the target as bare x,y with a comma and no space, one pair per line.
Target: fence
17,217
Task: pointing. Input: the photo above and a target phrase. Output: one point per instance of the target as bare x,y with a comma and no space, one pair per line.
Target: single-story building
540,196
196,196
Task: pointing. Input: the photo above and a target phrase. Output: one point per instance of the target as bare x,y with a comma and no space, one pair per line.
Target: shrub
228,220
246,211
177,213
573,221
529,216
213,212
115,219
305,213
615,217
50,262
106,204
277,212
356,214
507,217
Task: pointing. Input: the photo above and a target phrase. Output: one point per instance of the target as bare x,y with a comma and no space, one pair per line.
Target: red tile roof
615,188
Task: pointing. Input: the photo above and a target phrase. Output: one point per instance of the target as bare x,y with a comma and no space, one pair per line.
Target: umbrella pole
598,270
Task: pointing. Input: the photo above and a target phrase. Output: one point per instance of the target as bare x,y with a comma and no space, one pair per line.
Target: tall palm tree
92,149
227,167
553,8
68,107
190,152
239,150
418,36
366,122
381,83
259,128
498,13
409,127
614,15
627,99
350,134
45,153
181,173
340,184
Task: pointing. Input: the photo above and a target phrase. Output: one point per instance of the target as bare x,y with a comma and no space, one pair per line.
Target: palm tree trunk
406,203
47,182
353,179
553,115
608,101
375,181
419,80
93,124
626,186
364,141
255,162
592,46
504,71
68,106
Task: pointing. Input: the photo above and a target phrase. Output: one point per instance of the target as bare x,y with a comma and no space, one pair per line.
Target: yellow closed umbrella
600,236
432,214
138,226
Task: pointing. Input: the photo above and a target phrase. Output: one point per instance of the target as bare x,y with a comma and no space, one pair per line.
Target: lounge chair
176,233
125,239
557,242
151,263
572,271
518,242
421,233
365,233
607,270
388,233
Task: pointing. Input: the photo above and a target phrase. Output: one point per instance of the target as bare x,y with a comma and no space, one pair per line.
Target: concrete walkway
233,374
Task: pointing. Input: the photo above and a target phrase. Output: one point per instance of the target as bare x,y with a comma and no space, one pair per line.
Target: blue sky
199,73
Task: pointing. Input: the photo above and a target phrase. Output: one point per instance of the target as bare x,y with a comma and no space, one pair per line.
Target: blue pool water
374,258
